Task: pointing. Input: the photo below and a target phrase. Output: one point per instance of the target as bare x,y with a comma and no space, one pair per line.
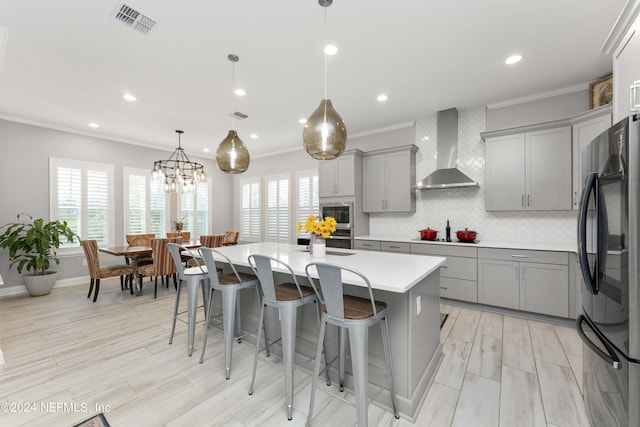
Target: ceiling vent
133,18
239,115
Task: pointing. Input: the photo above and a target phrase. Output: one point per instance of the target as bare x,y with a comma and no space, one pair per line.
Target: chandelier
325,134
178,171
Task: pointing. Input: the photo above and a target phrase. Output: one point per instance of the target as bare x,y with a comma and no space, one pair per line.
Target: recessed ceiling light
206,150
94,125
513,59
330,49
240,92
382,97
425,138
253,136
129,97
303,121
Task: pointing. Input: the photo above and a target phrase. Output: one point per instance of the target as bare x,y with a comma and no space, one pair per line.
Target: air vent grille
133,18
239,115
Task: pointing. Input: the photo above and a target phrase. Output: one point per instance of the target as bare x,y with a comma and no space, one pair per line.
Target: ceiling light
324,134
206,150
303,121
240,92
94,125
425,138
178,170
382,98
330,49
253,136
129,97
513,59
232,155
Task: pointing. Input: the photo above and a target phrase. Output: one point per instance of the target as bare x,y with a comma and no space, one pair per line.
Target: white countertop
534,246
386,271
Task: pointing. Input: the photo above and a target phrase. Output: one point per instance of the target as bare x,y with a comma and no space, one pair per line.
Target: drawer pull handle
394,247
519,256
443,266
442,287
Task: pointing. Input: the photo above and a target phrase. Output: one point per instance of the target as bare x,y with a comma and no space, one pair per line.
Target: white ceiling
68,62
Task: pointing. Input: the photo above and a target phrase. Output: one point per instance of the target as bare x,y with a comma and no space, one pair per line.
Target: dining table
134,253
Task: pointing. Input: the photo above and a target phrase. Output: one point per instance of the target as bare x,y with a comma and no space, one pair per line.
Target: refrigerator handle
611,358
589,189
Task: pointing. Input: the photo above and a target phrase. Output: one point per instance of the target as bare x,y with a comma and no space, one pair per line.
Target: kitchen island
409,284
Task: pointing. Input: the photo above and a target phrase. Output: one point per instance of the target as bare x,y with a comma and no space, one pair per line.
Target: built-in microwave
341,211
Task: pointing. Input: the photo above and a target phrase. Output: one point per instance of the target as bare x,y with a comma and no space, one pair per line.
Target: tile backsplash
464,207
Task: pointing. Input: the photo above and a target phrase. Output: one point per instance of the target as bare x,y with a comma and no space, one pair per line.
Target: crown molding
541,95
624,22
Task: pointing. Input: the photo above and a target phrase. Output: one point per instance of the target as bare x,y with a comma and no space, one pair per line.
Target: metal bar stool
354,314
193,276
230,285
286,297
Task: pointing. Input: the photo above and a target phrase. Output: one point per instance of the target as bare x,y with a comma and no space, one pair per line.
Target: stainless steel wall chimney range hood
447,175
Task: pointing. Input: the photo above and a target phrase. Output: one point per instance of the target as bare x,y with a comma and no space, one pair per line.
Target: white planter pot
41,284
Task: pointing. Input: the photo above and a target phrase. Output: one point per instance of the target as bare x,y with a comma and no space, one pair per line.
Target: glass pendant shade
324,135
232,155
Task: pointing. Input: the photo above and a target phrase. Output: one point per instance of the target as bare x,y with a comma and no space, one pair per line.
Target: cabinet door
626,70
504,173
544,288
345,176
373,177
326,178
399,187
498,283
583,134
548,169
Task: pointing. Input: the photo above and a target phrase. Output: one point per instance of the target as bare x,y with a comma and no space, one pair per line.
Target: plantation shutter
277,211
250,209
308,201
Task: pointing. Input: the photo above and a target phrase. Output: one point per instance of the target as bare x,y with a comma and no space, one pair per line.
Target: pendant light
232,155
325,135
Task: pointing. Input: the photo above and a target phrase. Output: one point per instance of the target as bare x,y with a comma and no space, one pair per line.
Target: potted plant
32,244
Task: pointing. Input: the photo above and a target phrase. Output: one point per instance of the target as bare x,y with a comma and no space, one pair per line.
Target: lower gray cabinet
459,274
534,281
367,245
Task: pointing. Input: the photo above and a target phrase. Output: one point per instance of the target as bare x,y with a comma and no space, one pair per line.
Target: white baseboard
21,290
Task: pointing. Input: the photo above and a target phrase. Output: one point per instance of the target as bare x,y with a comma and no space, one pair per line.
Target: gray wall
538,111
26,150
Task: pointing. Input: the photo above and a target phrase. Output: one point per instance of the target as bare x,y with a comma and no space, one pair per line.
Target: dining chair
186,235
230,285
286,298
353,315
230,238
90,248
141,240
212,240
163,264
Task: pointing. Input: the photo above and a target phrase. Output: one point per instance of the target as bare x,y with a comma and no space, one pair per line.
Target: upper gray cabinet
585,128
339,177
626,71
528,170
389,177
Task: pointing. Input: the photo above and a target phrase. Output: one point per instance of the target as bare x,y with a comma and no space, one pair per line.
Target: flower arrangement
319,228
178,225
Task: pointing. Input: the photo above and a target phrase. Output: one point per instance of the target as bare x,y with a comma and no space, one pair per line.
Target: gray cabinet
528,170
367,245
584,130
339,177
459,274
626,71
389,177
535,281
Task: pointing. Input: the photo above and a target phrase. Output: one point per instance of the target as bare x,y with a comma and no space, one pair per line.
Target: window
194,209
250,209
145,203
277,212
308,202
81,193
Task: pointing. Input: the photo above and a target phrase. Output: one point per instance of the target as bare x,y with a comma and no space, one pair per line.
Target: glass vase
318,247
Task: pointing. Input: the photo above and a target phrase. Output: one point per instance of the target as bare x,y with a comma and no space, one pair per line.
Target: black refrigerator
609,324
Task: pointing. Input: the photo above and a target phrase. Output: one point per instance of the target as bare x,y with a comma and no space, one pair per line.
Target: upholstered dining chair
212,240
186,235
163,265
90,248
230,238
141,240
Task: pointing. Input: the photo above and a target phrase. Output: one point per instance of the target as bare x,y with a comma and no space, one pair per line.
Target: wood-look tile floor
67,358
